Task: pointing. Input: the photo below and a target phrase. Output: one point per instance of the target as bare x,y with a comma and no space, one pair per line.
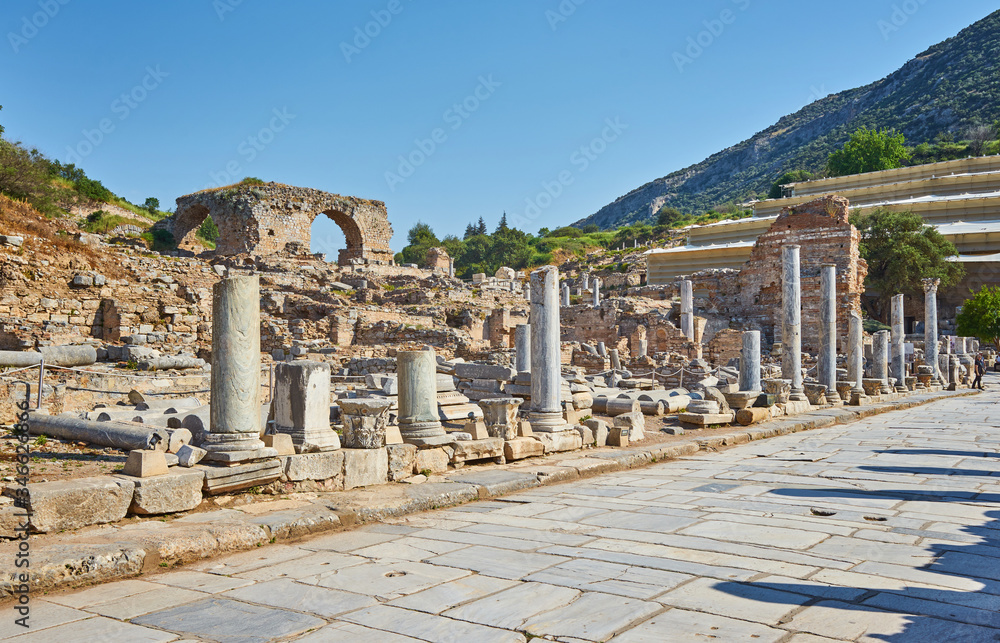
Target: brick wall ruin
272,219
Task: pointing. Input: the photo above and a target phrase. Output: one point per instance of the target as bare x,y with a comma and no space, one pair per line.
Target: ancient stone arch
273,218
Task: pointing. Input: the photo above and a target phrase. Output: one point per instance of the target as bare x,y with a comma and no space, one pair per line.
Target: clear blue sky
290,92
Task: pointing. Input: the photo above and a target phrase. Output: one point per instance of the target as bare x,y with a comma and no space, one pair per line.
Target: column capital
931,284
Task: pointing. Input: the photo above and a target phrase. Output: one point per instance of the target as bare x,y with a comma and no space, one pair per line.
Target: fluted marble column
827,367
750,361
687,309
418,410
791,321
522,347
931,328
546,374
234,422
898,355
855,354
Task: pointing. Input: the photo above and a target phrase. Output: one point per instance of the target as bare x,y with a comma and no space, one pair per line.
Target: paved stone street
882,530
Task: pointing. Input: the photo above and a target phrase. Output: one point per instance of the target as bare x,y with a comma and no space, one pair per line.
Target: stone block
432,460
766,400
741,399
477,429
469,450
71,504
796,407
280,442
618,436
169,493
402,457
583,400
586,434
222,479
188,456
600,430
703,406
145,463
635,422
524,429
714,394
560,441
393,435
471,371
520,448
313,466
365,467
705,419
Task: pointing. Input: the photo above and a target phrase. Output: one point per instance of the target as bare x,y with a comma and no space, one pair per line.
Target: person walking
980,369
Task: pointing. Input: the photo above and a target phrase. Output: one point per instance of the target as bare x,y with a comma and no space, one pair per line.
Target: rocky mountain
947,88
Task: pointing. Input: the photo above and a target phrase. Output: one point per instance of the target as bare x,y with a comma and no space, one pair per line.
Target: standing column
565,294
522,347
527,291
585,281
597,292
418,409
791,321
616,360
750,361
687,309
931,328
302,405
827,367
855,356
642,350
898,367
234,416
880,359
546,374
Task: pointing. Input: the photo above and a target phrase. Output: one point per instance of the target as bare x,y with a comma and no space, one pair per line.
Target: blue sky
445,110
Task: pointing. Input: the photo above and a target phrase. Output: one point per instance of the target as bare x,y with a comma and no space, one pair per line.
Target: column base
548,422
233,448
833,397
237,457
798,395
425,434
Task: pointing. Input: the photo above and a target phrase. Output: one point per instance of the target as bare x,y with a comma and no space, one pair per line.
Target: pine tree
481,227
502,227
470,231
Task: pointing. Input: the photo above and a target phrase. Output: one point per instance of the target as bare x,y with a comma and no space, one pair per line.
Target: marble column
855,354
522,347
931,328
642,350
880,359
616,360
234,416
898,355
527,291
602,349
302,405
597,292
585,281
791,321
750,361
546,373
687,309
565,294
827,367
418,410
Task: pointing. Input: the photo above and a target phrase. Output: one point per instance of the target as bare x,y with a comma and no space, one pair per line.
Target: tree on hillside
979,136
421,239
208,230
481,227
470,231
980,316
869,150
901,251
668,215
591,228
152,204
788,177
502,226
510,248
